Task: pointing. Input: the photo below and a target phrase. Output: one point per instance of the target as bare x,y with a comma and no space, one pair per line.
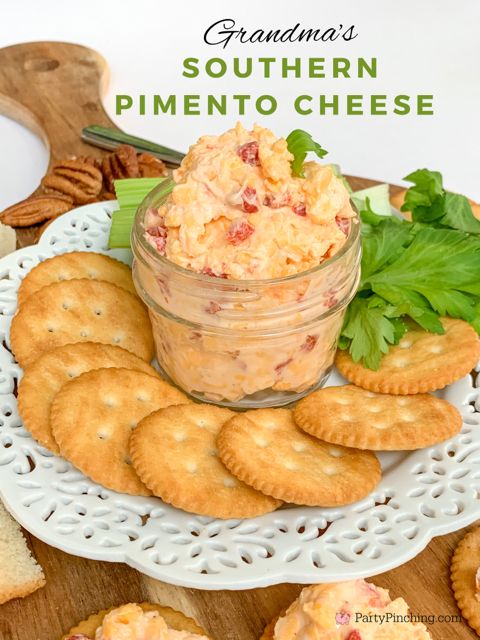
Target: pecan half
121,164
109,170
36,209
126,157
95,162
76,178
106,195
150,166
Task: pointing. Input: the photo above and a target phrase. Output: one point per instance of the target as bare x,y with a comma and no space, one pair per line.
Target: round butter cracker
43,379
353,417
174,619
93,416
421,362
75,265
266,449
174,453
464,567
80,311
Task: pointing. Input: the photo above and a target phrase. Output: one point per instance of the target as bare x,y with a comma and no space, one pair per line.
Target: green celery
130,193
121,228
378,197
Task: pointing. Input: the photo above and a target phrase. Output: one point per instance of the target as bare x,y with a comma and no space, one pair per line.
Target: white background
427,46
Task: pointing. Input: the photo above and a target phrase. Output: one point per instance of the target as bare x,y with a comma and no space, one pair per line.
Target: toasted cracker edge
468,605
175,619
22,297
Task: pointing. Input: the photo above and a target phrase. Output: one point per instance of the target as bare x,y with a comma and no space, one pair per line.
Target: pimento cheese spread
237,211
130,622
354,610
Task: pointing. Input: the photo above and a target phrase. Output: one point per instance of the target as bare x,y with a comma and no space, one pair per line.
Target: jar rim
138,235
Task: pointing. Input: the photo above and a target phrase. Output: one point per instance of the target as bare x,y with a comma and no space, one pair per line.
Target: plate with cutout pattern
422,494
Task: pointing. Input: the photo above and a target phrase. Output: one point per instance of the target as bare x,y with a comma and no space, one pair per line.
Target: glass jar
244,343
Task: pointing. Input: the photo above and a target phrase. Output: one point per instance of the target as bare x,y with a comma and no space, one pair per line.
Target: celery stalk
130,193
379,199
122,222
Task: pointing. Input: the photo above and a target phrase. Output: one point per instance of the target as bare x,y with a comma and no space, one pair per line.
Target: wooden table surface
55,89
77,587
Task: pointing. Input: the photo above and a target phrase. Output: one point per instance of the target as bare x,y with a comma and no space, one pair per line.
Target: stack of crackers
90,394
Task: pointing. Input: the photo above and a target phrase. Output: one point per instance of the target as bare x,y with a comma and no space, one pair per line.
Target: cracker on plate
93,416
80,311
43,379
421,362
266,449
353,417
74,265
174,453
174,619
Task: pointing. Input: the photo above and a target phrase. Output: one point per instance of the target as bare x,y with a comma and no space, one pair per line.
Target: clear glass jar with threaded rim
244,343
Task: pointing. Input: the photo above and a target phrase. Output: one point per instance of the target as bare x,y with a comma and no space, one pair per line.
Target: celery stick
379,199
121,228
130,193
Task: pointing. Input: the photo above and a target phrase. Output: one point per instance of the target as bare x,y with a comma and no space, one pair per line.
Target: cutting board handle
55,89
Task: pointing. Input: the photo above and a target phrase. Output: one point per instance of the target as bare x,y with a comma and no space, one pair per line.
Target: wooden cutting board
55,89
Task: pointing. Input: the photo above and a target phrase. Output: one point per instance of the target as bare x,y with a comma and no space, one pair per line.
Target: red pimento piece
249,200
375,597
208,271
213,307
309,343
277,200
160,244
280,367
330,299
239,231
343,224
354,635
300,209
164,288
249,153
157,232
159,236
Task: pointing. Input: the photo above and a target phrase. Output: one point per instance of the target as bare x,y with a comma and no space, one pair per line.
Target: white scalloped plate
422,494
